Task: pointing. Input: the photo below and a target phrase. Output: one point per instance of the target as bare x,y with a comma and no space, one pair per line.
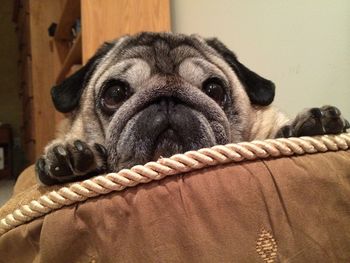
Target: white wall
302,45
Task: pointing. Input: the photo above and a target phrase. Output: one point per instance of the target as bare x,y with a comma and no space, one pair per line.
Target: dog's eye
215,90
115,92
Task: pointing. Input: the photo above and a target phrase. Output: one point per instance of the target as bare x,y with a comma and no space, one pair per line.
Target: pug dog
153,95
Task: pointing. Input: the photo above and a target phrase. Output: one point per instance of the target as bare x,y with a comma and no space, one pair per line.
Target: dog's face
157,94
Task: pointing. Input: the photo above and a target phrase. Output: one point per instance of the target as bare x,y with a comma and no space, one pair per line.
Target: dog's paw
316,121
70,161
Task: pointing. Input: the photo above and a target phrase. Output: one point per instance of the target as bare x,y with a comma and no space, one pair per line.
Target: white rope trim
178,163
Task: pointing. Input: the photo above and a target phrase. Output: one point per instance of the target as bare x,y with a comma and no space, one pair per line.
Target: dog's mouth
160,130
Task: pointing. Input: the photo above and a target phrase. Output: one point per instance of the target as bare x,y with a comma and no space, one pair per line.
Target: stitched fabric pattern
266,246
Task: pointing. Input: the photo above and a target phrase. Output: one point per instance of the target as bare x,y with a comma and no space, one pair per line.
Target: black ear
66,95
260,91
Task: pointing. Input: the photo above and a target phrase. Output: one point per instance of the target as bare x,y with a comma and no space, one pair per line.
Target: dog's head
156,94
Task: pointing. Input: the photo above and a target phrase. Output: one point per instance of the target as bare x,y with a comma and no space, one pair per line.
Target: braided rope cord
176,164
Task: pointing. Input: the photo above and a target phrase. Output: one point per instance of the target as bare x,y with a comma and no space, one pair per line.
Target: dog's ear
66,95
260,91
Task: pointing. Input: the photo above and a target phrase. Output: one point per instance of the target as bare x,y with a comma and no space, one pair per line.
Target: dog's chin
158,145
167,144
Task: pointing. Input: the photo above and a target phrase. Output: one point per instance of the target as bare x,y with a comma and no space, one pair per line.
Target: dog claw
285,132
101,149
331,112
347,125
316,112
59,150
79,145
43,176
41,164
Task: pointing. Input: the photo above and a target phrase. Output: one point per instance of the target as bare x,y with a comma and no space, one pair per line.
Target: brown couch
289,209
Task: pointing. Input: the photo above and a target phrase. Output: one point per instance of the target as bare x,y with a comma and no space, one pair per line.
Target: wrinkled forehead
163,52
161,57
136,58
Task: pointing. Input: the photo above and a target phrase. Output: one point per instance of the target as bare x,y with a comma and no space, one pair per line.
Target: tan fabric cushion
291,209
25,190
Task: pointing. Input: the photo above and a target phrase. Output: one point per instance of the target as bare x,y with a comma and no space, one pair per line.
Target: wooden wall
42,14
113,19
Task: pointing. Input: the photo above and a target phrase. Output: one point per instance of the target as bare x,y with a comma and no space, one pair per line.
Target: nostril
175,100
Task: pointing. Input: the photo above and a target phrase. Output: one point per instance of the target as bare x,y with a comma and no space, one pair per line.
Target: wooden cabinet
46,60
